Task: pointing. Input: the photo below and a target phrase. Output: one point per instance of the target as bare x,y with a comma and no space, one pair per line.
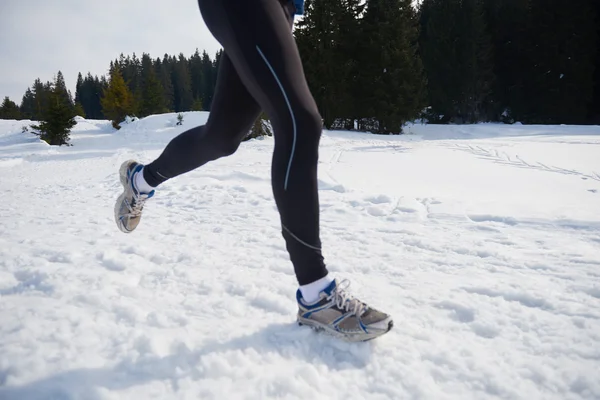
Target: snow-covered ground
482,241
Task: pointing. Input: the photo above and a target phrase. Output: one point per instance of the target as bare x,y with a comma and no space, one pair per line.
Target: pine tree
561,56
182,83
27,107
507,22
318,36
350,105
117,101
78,88
457,55
9,110
61,88
477,64
130,69
88,93
196,74
152,100
78,110
58,118
197,105
392,74
331,41
164,75
41,93
208,80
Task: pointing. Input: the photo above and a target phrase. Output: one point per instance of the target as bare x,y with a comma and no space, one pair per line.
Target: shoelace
135,209
137,204
345,301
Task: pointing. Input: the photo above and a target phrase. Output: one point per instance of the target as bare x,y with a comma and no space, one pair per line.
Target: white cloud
38,38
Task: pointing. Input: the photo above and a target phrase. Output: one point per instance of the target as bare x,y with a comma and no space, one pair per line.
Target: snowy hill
482,241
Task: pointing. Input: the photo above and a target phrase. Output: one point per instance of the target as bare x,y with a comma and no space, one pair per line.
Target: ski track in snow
491,272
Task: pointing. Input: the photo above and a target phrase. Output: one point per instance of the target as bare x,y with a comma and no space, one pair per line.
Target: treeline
149,86
373,65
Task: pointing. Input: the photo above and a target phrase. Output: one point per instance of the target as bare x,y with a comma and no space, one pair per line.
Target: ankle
140,183
311,291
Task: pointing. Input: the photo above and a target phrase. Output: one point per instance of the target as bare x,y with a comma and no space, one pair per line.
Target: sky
40,37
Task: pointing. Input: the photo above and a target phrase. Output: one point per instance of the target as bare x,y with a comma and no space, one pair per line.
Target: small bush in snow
129,119
179,119
261,127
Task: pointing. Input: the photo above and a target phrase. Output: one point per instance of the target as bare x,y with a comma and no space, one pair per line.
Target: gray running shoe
129,205
341,315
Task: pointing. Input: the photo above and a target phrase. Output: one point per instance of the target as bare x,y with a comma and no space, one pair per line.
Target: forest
374,65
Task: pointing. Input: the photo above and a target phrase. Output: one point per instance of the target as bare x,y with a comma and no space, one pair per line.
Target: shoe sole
123,178
321,328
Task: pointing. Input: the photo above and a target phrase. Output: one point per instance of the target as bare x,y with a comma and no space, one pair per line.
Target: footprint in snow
29,280
594,292
111,262
271,304
458,312
485,331
376,212
381,199
524,299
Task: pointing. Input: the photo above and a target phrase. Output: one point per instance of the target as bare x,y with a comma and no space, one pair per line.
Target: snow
483,242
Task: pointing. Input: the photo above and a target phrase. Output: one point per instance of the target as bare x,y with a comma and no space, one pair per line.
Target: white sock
140,183
310,292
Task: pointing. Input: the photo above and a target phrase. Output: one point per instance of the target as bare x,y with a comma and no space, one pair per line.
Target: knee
310,124
224,147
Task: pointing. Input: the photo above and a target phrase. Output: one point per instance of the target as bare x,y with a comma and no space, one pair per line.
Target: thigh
233,109
257,36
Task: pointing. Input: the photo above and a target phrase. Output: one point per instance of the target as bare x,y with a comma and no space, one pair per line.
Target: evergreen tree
152,92
58,118
164,74
351,102
78,110
561,56
78,88
197,105
97,86
130,69
41,93
320,37
392,74
117,102
208,79
507,24
182,85
9,110
83,94
456,51
61,88
196,74
28,104
88,93
477,56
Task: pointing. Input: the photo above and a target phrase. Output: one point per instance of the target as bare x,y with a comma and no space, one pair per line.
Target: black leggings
260,70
